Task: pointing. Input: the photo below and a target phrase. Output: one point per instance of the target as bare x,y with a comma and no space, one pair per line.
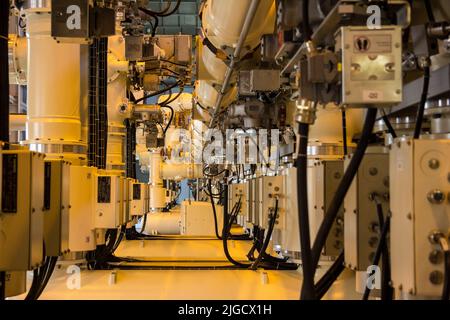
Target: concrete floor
185,284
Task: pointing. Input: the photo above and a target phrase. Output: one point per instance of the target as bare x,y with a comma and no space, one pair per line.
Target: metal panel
402,209
108,206
371,65
56,217
430,217
81,215
361,219
21,244
197,218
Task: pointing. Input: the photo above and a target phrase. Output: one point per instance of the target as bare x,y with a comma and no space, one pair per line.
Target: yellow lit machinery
305,139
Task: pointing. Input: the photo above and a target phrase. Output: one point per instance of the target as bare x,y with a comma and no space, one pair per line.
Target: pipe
4,72
237,53
163,223
54,113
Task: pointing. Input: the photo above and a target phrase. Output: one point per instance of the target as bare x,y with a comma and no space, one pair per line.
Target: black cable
446,288
172,114
163,13
165,69
158,92
47,275
386,289
308,290
2,285
327,280
344,131
343,187
272,220
430,13
388,124
216,227
423,101
378,252
144,223
305,23
225,235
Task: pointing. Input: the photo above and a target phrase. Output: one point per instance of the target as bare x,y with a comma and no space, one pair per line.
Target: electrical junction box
270,188
108,201
56,207
139,48
362,229
371,66
324,178
236,193
138,197
265,80
177,46
197,219
419,184
21,210
81,214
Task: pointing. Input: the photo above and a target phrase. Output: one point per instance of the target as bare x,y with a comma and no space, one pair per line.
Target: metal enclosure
371,65
418,169
81,214
197,219
362,229
56,205
138,197
324,177
272,187
108,201
21,210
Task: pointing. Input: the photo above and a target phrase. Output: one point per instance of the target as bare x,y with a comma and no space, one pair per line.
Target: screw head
373,171
434,164
436,277
436,257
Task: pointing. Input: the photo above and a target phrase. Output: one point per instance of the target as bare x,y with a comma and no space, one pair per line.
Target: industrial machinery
312,135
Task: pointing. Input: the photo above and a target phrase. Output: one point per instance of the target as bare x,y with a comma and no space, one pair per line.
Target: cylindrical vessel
223,21
53,123
206,94
163,223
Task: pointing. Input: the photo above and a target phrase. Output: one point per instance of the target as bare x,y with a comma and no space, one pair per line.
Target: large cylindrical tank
223,21
53,124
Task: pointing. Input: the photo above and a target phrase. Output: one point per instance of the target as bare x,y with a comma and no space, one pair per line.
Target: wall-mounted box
56,207
81,214
21,210
108,201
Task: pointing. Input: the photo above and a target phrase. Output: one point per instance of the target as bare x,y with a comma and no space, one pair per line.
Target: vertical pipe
4,72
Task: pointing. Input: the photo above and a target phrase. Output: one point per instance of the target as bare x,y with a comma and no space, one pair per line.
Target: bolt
436,196
436,257
434,164
436,277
